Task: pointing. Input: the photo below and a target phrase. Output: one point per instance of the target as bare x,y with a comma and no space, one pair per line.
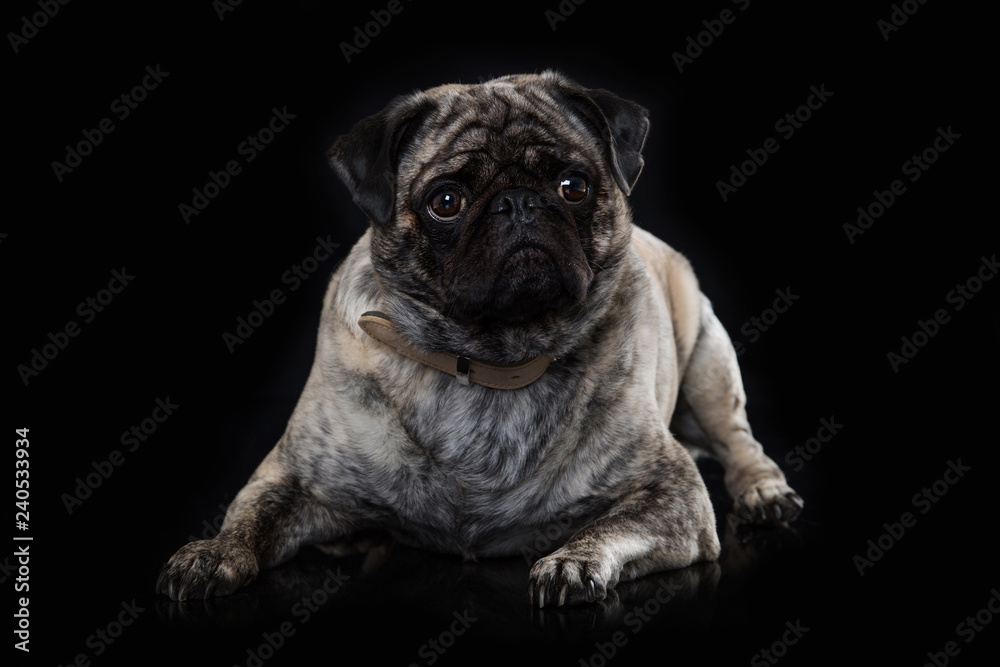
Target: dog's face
496,204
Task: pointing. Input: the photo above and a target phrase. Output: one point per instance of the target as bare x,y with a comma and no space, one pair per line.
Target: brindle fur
379,441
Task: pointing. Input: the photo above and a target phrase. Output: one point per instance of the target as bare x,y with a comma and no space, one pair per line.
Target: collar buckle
463,366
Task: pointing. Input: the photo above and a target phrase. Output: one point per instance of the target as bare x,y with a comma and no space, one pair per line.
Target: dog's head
495,206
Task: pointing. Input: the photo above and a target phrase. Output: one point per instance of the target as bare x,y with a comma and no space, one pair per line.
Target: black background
825,358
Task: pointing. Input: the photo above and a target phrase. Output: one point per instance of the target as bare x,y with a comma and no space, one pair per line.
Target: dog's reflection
372,574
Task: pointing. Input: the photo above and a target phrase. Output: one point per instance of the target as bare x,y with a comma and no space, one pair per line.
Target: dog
503,350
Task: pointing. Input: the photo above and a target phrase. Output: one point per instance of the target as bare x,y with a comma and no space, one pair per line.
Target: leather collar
466,370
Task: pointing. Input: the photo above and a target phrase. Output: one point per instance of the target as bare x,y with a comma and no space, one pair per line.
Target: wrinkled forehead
477,131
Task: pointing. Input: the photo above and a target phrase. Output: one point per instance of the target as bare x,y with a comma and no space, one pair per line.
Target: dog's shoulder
343,350
352,289
674,281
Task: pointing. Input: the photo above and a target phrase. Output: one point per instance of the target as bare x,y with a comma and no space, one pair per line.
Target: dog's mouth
526,281
528,259
526,264
532,279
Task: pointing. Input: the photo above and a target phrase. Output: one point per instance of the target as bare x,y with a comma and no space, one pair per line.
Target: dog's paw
566,578
768,501
207,568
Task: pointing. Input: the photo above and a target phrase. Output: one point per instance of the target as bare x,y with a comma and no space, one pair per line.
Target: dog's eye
574,189
445,205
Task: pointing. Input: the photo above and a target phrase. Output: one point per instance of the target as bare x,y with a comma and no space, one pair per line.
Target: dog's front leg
713,395
265,525
664,524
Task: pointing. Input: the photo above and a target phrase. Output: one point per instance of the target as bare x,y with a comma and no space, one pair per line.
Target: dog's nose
521,205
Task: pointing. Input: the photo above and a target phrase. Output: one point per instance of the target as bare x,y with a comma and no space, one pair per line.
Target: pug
504,351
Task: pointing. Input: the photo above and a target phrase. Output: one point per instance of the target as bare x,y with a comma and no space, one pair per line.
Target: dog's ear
621,125
367,157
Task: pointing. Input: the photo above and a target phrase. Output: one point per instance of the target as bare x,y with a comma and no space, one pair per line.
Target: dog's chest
483,457
486,439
